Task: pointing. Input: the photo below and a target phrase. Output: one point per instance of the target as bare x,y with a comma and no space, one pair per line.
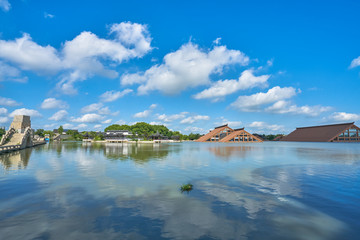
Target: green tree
60,130
2,132
40,132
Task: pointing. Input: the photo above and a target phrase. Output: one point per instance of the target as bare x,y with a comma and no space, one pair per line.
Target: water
271,190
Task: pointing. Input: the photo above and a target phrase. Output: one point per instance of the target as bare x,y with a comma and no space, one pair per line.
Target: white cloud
49,126
96,107
111,96
355,62
120,122
84,53
192,119
3,111
81,126
68,126
286,107
195,130
5,5
266,126
48,15
255,101
24,111
8,102
4,119
80,58
9,73
173,117
58,116
232,124
107,121
28,55
145,113
98,126
185,68
51,103
89,118
222,88
344,117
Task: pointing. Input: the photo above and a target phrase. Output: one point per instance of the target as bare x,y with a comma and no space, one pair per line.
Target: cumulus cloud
28,55
4,119
254,102
80,58
173,117
96,107
232,124
192,119
191,129
111,96
25,111
344,117
107,121
3,111
5,5
8,102
89,118
221,88
355,62
9,73
185,68
145,113
60,115
97,126
265,126
51,103
286,107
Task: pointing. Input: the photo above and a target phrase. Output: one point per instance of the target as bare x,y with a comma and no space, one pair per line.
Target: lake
270,190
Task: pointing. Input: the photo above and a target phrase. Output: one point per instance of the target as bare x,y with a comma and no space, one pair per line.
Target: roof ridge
328,125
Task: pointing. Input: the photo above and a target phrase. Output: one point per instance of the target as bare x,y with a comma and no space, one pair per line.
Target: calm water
253,191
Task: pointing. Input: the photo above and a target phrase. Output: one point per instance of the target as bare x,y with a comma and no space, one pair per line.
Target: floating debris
186,187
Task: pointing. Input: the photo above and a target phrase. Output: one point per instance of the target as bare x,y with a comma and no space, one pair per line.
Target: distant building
118,135
344,132
226,134
158,136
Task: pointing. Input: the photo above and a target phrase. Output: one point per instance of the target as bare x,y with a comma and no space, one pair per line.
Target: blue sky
191,65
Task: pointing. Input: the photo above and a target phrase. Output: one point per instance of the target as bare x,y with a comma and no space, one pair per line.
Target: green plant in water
186,187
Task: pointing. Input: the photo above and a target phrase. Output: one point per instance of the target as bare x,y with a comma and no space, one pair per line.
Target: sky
268,66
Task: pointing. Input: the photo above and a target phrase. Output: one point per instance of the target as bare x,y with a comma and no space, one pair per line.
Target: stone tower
20,122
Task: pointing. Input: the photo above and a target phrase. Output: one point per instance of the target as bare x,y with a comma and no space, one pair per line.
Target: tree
60,130
40,132
2,132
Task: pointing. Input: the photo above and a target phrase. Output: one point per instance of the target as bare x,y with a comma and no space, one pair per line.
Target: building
118,135
226,134
344,132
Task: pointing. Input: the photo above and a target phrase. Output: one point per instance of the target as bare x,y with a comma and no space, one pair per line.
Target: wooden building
344,132
226,134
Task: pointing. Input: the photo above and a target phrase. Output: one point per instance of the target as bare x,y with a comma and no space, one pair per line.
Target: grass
186,187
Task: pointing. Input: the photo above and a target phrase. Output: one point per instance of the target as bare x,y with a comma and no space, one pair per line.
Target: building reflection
227,152
16,160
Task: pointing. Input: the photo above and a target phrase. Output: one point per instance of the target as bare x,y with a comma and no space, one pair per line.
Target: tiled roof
324,133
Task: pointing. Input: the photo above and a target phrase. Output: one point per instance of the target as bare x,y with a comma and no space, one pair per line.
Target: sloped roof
212,133
324,133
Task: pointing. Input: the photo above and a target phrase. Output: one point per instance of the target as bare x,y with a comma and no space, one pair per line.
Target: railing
7,135
9,148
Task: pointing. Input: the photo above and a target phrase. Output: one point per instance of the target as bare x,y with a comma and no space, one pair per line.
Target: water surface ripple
270,190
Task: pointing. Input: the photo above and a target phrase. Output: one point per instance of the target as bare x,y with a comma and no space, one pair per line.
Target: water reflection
16,160
114,191
225,152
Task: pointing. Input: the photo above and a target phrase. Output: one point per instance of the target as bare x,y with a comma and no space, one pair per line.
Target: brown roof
238,132
212,133
324,133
